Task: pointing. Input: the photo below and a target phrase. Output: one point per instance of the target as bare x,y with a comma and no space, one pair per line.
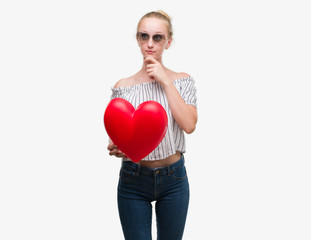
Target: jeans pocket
126,174
179,173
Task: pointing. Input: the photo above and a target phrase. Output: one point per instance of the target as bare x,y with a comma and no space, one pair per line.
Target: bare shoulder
183,75
118,83
178,75
124,82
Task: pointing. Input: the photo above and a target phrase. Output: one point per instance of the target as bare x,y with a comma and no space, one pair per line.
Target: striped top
174,139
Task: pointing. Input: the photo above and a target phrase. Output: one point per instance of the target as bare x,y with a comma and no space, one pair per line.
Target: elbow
189,129
191,125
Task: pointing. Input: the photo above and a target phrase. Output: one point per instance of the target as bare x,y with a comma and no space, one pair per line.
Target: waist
162,162
147,170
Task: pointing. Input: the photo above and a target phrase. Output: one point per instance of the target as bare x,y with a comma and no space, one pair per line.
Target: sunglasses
144,37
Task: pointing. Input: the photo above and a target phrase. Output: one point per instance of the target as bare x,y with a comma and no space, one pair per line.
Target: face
152,37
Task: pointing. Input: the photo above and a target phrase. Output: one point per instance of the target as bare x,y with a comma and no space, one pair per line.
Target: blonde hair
160,15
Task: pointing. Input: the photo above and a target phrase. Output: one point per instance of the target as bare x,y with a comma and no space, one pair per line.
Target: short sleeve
188,91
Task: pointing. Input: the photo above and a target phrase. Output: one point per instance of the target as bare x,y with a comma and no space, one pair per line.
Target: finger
150,70
113,152
111,146
150,60
120,155
150,66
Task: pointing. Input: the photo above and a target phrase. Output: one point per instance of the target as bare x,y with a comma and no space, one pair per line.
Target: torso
138,78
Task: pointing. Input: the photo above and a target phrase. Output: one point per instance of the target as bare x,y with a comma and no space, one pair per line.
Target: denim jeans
139,186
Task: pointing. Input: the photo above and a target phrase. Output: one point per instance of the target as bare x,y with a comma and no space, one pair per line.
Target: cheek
162,49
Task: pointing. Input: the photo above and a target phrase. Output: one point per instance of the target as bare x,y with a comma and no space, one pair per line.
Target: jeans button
157,171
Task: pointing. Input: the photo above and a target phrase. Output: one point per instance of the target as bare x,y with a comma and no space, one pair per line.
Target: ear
169,42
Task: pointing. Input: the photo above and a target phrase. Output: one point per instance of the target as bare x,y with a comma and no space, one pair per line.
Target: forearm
185,115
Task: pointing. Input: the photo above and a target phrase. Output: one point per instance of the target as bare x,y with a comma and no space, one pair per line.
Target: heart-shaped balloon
135,132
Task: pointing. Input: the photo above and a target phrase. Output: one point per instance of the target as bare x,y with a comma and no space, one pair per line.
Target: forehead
153,25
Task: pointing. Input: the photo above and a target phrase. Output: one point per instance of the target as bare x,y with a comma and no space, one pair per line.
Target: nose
150,43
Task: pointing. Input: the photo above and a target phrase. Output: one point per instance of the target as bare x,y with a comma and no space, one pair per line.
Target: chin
151,55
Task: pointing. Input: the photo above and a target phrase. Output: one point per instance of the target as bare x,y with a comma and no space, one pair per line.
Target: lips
150,52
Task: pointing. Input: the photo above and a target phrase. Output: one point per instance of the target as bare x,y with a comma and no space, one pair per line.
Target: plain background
248,161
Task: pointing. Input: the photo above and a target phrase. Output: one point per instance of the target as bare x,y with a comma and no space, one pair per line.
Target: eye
144,36
157,38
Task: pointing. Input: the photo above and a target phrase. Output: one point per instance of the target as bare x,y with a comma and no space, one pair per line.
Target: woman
161,176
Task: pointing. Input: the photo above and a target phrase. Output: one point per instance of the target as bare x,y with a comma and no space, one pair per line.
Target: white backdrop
248,161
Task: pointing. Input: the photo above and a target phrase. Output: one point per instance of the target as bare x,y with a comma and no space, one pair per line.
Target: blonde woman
161,176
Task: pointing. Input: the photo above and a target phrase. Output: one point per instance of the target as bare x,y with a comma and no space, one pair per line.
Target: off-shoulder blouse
174,139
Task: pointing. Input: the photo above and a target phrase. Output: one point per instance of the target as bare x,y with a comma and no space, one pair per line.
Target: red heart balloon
136,132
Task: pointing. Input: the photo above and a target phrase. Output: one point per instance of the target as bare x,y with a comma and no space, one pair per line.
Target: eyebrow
143,31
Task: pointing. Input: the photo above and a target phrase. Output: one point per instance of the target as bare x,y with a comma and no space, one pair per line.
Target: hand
156,71
114,150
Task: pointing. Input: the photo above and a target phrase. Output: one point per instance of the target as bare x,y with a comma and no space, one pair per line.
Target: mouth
150,52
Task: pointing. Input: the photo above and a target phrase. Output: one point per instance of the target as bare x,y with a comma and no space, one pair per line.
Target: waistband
138,169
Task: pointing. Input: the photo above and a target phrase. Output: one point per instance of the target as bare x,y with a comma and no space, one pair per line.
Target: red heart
135,132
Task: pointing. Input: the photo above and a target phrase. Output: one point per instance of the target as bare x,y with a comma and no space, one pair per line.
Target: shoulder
119,83
182,75
124,82
178,75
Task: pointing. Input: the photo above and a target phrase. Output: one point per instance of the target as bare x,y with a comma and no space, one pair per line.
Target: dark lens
157,38
143,37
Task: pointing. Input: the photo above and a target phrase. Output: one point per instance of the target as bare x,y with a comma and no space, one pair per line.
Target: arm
185,115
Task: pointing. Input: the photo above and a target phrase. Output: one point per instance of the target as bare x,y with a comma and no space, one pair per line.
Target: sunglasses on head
144,37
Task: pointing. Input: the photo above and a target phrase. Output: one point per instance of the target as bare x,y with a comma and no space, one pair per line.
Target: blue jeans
139,186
